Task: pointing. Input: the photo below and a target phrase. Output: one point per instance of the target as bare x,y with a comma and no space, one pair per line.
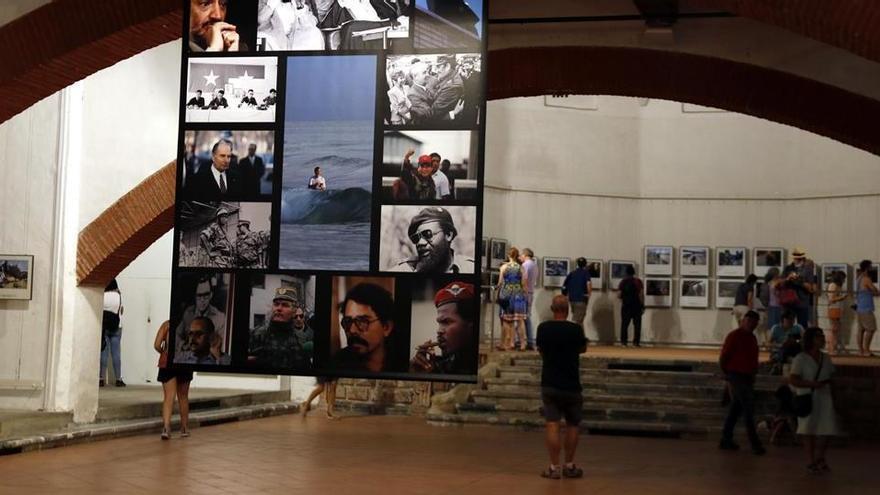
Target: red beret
425,159
454,292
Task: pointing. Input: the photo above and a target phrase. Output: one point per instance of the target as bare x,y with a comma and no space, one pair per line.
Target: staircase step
651,389
25,423
632,376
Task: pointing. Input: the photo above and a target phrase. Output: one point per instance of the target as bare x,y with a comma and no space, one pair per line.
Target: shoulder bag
803,404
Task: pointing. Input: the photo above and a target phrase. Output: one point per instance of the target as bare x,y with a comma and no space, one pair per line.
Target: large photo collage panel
330,188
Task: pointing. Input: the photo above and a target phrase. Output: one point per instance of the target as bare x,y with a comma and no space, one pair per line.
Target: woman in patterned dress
512,301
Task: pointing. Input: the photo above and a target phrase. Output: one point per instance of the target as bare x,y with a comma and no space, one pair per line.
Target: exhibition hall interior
626,246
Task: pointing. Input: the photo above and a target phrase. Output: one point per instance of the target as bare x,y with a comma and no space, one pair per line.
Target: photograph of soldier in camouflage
224,234
281,311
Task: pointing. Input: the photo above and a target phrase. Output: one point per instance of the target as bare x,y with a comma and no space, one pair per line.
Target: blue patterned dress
513,291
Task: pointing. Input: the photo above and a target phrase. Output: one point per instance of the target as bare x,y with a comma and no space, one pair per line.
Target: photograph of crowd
201,314
693,261
766,258
16,281
331,24
327,182
228,164
617,272
730,262
694,293
368,333
497,252
281,335
224,234
725,293
443,337
427,239
441,91
658,260
555,271
429,166
221,25
452,23
235,89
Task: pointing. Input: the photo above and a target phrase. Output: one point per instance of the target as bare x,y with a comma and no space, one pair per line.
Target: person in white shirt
441,182
317,181
111,334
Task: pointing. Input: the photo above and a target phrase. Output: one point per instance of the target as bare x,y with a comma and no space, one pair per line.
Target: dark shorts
562,403
166,374
325,379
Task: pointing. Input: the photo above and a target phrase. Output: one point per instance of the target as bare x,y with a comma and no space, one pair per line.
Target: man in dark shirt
196,101
739,363
561,343
578,287
632,298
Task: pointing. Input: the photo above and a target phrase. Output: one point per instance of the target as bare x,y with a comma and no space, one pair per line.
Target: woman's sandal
165,435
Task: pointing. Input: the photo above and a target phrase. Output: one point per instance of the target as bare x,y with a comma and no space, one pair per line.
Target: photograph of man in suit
251,169
248,100
218,100
216,181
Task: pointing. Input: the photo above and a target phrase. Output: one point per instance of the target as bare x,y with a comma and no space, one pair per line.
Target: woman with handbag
512,301
811,373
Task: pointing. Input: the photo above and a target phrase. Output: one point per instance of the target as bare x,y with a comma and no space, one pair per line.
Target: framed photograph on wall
828,270
484,253
555,270
658,260
730,262
763,259
693,261
498,252
16,276
617,272
872,272
725,293
597,273
493,281
694,293
658,292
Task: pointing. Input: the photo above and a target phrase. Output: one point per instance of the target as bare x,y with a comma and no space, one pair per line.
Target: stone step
609,403
25,423
649,389
495,396
153,409
633,376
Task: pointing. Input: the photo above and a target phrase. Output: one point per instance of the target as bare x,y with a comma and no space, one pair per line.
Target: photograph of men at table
238,89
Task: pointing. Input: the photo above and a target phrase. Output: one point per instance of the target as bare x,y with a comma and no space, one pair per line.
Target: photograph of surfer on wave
327,182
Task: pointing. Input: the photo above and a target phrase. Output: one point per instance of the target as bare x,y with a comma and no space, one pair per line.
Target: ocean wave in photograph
325,247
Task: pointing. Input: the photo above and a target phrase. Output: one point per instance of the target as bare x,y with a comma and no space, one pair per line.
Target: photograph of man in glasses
437,240
366,316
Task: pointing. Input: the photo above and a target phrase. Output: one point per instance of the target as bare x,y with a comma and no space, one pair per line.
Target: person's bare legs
552,442
572,435
869,336
307,404
183,405
330,398
521,334
821,448
169,388
833,336
506,335
810,446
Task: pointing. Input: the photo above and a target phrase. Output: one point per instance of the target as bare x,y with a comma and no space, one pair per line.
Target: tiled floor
390,455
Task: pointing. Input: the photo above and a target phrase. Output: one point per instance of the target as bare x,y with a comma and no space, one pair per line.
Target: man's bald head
559,306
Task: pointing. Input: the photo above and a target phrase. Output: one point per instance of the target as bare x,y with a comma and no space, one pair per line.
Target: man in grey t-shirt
531,268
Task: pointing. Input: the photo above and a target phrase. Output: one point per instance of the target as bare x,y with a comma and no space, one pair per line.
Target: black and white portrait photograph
201,315
694,293
617,271
327,183
497,252
16,276
828,271
368,330
228,164
658,260
332,25
725,293
730,262
222,25
430,166
438,91
693,261
235,89
555,270
658,292
441,23
224,234
444,337
763,259
428,239
282,308
596,268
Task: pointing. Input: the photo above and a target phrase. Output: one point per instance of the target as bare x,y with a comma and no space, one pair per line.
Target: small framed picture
493,282
828,270
555,270
693,261
484,254
658,292
694,293
16,276
617,272
498,251
597,273
725,293
872,272
658,260
763,259
730,262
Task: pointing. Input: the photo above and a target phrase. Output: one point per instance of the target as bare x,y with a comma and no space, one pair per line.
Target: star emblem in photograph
211,79
246,77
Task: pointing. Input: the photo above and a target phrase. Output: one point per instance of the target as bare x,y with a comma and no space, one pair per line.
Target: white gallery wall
604,182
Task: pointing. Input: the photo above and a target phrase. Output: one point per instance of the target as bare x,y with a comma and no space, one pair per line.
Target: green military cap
285,294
